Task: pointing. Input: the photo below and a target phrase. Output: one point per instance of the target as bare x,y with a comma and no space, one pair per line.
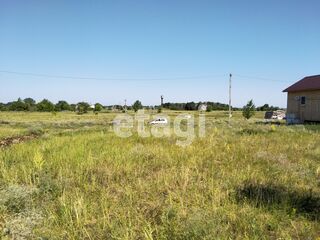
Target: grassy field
78,180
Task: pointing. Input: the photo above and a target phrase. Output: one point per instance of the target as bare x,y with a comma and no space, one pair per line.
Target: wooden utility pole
230,114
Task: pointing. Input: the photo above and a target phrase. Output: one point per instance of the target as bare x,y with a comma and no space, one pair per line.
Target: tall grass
242,181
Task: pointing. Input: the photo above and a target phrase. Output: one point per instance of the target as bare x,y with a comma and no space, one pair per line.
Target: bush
38,131
137,105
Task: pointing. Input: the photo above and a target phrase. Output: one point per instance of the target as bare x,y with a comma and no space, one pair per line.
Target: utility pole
230,114
161,100
125,104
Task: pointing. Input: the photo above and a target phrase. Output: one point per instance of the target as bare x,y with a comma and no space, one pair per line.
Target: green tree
2,107
62,106
83,107
249,110
191,106
30,104
45,106
29,101
18,105
137,105
73,107
265,107
98,107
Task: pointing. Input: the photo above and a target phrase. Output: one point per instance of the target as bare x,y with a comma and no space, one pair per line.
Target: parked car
159,121
275,115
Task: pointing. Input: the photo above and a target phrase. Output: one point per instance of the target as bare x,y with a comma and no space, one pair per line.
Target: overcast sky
108,51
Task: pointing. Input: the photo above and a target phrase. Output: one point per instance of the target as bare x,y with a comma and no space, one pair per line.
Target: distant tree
194,106
159,109
18,105
209,108
137,105
266,107
30,104
249,110
191,106
2,107
62,106
98,107
73,107
82,107
30,101
45,106
119,107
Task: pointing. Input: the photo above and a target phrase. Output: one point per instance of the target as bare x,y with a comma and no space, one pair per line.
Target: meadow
75,179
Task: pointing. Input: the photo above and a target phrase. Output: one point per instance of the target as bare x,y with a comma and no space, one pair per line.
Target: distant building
202,107
304,100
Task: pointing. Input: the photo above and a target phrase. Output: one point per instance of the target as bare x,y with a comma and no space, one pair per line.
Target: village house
202,107
304,100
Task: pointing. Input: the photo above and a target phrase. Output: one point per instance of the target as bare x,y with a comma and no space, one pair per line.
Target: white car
159,121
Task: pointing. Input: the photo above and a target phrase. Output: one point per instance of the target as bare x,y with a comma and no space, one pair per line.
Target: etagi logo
183,126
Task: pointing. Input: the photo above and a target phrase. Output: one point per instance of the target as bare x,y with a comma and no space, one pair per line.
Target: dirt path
6,142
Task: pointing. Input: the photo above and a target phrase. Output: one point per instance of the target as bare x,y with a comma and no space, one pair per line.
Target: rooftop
306,84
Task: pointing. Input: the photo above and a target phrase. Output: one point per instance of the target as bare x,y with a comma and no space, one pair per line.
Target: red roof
306,84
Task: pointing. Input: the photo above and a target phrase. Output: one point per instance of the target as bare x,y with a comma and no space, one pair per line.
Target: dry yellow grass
80,181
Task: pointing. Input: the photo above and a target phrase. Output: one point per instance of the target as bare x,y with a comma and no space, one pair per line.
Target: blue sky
144,48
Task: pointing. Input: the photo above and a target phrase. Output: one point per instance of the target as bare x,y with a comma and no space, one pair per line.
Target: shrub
137,105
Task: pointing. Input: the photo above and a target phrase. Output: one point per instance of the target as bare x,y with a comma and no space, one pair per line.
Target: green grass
80,181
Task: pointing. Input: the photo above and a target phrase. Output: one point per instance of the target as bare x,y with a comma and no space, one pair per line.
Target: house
202,107
304,100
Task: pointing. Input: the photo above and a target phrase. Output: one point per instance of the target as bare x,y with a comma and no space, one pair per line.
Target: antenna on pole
230,113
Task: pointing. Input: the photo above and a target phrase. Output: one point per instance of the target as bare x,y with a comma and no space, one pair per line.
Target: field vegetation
77,180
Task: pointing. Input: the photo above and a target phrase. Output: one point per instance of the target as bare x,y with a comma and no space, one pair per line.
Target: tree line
190,106
266,107
29,104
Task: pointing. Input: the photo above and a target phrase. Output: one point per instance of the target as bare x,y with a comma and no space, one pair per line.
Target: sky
111,50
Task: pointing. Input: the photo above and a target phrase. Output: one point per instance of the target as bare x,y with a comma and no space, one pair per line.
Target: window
303,100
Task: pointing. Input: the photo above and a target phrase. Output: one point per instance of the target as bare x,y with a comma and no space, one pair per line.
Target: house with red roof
303,103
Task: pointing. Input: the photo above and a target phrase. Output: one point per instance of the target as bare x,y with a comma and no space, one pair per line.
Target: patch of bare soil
6,142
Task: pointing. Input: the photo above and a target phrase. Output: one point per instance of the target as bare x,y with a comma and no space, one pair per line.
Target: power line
139,79
108,79
260,78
